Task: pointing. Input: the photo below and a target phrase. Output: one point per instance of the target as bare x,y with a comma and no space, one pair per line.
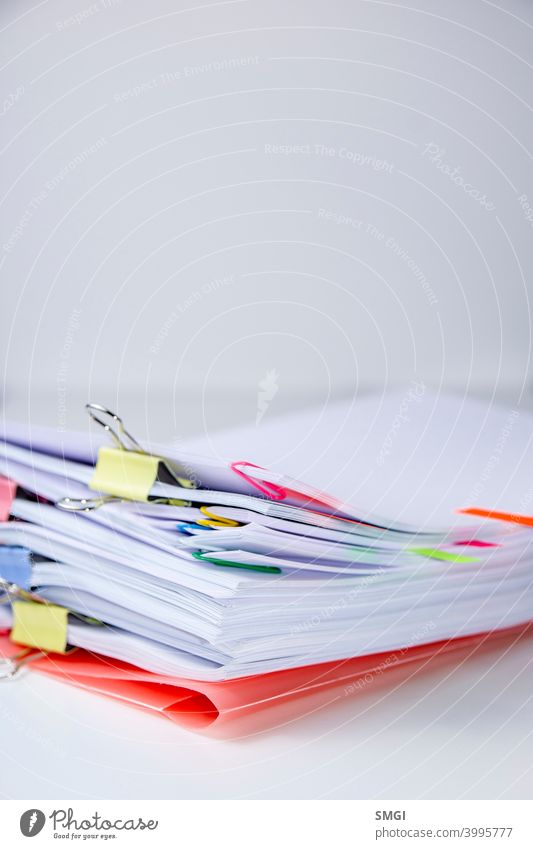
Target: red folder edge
245,705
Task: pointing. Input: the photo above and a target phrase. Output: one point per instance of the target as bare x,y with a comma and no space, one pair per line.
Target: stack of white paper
250,570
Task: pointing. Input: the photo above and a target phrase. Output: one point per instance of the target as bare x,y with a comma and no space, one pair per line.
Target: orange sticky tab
495,514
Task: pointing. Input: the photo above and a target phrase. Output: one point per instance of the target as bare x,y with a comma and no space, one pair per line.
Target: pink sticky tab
8,489
478,543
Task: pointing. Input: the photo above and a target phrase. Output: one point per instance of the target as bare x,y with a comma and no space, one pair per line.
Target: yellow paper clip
215,521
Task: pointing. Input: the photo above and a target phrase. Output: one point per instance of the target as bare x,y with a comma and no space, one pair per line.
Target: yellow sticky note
43,626
126,474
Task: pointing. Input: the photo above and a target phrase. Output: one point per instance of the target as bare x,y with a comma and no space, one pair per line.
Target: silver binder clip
11,666
85,505
10,591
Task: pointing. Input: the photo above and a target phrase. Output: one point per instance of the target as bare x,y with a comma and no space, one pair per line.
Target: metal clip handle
120,436
85,505
11,666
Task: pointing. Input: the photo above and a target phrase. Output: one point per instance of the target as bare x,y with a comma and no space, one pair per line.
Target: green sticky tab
274,570
126,474
437,554
43,626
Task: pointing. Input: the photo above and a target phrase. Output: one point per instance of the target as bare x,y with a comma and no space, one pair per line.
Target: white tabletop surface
462,733
466,734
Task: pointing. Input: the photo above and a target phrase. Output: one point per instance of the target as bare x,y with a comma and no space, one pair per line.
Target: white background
151,243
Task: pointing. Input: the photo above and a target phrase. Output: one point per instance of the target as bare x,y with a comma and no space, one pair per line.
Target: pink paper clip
271,490
8,489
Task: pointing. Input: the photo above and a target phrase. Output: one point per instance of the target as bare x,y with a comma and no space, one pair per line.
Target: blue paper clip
16,565
191,528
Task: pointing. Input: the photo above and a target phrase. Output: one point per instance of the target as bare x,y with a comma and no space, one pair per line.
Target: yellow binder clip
125,471
40,626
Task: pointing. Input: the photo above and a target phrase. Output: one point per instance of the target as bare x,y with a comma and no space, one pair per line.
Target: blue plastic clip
16,565
191,528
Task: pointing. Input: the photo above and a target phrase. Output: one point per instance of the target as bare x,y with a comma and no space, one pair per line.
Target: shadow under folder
246,706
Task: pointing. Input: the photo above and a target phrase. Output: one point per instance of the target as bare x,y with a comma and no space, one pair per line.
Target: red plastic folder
246,705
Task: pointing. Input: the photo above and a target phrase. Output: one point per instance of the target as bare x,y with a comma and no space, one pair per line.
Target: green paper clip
204,558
